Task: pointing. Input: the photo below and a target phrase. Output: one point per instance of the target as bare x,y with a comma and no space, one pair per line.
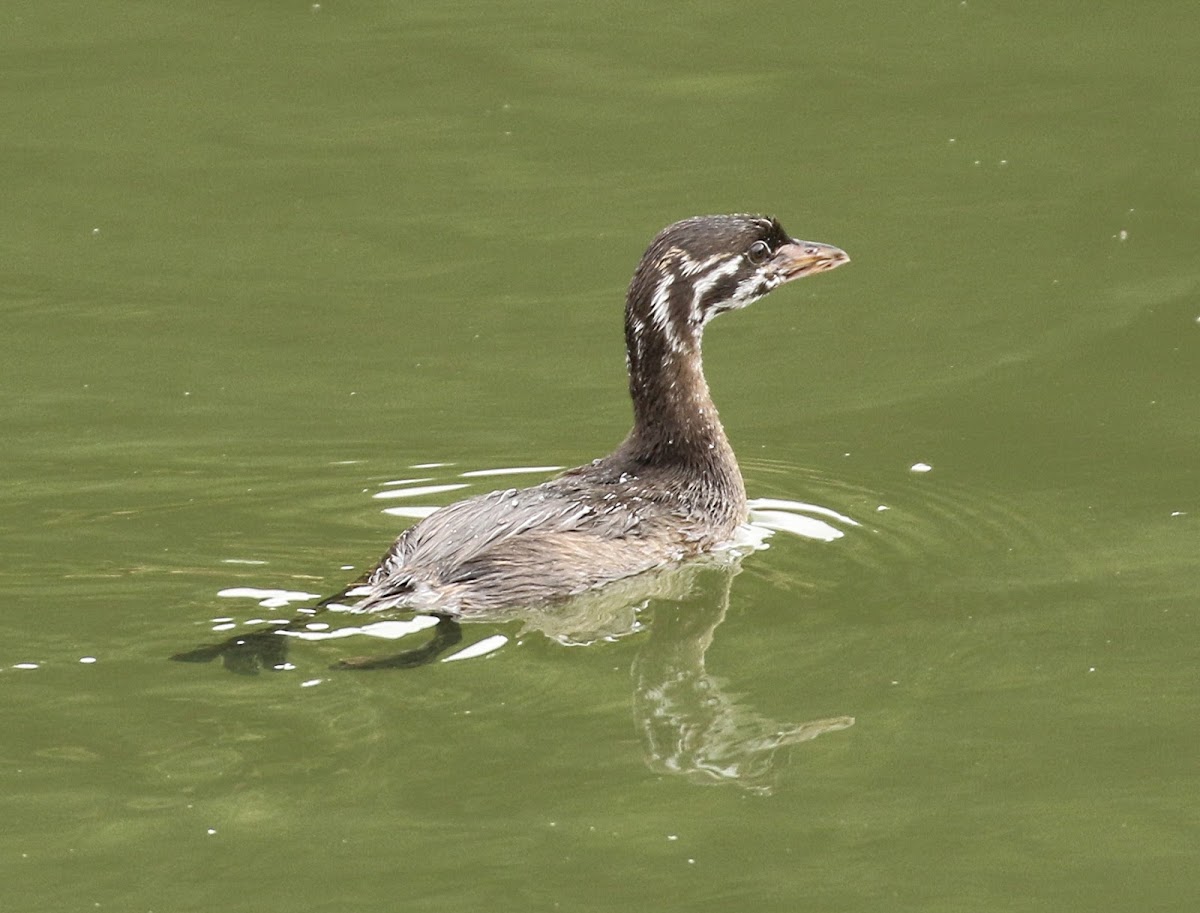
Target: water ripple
915,518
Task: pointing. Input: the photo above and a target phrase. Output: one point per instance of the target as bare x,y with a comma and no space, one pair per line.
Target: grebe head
704,266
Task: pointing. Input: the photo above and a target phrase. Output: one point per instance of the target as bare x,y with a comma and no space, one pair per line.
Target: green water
261,260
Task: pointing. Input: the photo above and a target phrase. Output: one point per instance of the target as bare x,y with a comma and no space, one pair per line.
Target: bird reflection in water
689,724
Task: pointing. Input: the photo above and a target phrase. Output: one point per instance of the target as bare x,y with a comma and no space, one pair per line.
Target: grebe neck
675,422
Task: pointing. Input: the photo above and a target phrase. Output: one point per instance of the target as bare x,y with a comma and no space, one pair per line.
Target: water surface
261,262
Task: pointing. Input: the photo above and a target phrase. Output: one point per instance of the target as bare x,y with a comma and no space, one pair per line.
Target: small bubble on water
920,467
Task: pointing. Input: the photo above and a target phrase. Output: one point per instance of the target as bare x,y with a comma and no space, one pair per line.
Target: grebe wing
533,543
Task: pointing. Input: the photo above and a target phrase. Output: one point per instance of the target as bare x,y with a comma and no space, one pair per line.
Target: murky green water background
261,259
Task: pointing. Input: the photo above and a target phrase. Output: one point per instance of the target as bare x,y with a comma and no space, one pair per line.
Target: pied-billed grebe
670,491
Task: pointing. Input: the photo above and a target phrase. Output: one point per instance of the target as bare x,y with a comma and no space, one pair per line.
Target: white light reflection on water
479,648
510,471
268,599
387,630
418,491
808,521
413,512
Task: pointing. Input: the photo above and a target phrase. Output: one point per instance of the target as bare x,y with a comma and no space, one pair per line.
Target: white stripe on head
660,310
754,287
704,285
637,327
690,267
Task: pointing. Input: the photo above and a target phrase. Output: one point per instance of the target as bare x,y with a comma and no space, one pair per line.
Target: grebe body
670,491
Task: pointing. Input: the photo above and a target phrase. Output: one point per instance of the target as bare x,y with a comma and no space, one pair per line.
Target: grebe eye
759,252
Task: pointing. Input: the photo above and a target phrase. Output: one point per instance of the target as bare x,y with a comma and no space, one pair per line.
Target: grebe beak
802,258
